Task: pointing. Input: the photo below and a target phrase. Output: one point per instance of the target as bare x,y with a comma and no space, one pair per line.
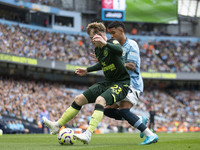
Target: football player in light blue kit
132,62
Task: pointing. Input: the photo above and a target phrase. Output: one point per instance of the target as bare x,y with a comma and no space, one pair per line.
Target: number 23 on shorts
116,89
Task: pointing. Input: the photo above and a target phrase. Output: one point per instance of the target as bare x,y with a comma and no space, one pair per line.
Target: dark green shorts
110,91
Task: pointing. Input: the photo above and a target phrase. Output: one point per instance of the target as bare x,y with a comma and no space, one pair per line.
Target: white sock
148,132
140,117
57,124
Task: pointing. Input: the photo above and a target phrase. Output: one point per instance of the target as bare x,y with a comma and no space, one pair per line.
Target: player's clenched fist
99,38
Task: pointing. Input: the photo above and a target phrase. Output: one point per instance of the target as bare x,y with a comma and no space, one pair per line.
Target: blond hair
96,27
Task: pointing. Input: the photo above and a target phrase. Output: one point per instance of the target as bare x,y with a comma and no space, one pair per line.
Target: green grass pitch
163,11
118,141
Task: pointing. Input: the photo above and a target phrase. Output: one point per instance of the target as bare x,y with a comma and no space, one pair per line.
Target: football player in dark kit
113,89
121,110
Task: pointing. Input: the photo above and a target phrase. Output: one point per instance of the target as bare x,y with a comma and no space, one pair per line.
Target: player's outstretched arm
81,71
96,67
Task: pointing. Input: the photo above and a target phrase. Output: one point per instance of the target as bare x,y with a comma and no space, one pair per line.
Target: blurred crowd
44,45
179,56
142,30
173,105
162,56
25,100
170,56
42,2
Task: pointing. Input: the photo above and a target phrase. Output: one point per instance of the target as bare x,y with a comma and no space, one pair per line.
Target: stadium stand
177,109
42,2
21,99
162,56
73,49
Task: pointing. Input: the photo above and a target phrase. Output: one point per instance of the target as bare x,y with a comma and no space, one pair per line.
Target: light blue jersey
131,54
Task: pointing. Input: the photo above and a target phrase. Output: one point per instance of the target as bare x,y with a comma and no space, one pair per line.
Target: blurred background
42,42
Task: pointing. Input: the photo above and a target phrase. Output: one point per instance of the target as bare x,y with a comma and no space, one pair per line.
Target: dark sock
141,127
112,113
76,106
132,119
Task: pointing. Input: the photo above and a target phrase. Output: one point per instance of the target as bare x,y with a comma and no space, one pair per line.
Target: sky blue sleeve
132,55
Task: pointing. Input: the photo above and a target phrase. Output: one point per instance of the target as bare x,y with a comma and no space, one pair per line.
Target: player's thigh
131,98
125,105
115,93
94,91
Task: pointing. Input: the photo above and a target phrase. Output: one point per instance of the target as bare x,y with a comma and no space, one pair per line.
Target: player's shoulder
113,41
132,44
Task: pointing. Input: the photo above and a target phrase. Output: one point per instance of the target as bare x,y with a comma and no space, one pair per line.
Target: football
66,137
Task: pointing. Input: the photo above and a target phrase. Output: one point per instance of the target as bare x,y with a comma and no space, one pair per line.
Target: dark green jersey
111,62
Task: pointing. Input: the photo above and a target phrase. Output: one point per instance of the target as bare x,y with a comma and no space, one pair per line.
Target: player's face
116,33
92,34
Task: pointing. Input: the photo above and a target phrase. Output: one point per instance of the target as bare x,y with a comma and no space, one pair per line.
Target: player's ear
121,30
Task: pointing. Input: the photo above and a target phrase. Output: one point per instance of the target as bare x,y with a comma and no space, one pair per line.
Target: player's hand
81,71
104,37
94,58
99,38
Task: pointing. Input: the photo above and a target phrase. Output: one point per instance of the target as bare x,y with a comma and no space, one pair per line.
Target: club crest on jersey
105,53
115,42
133,54
124,53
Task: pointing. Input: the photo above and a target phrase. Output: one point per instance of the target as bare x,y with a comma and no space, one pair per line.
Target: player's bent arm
94,57
94,68
130,66
115,48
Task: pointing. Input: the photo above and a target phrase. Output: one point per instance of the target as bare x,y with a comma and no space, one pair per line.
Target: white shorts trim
132,96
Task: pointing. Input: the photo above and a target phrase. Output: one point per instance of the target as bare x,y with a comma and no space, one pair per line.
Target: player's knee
124,112
129,116
81,100
112,113
107,112
101,101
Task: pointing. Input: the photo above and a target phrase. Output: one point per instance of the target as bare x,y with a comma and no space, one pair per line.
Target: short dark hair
116,24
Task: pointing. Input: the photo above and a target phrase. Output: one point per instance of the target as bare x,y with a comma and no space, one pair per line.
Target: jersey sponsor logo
110,67
103,64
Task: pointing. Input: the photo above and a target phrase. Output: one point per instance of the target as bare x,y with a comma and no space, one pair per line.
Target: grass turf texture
118,141
163,11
